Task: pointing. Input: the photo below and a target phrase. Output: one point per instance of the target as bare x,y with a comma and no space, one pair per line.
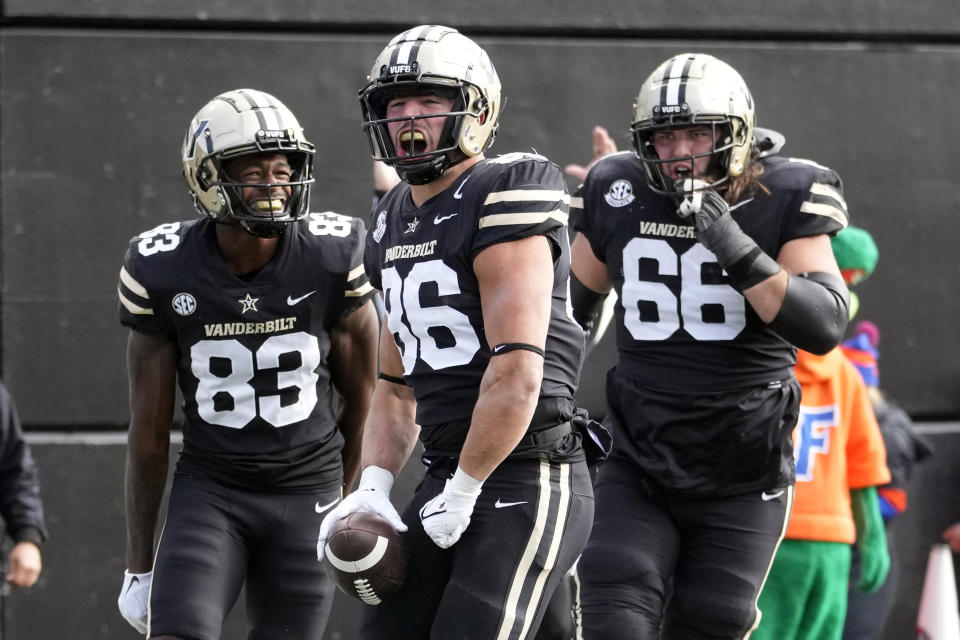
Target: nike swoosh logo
740,204
292,301
440,219
458,193
321,509
133,580
766,497
440,510
499,348
500,505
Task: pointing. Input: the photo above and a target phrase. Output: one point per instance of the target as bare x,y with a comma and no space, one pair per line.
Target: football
366,557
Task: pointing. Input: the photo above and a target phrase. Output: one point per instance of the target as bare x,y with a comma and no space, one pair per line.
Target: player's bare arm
151,364
392,429
515,281
587,268
589,285
353,369
389,436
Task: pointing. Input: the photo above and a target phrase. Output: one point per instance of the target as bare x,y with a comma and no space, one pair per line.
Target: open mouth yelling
411,143
677,172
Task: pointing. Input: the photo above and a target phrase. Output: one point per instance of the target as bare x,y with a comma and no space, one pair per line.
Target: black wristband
505,347
753,268
393,379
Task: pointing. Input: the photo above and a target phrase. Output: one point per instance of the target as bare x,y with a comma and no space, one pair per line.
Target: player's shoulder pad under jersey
339,239
151,258
613,166
618,173
150,252
338,242
819,188
520,190
520,171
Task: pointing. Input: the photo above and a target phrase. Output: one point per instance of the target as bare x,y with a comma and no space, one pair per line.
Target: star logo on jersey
412,226
249,303
620,193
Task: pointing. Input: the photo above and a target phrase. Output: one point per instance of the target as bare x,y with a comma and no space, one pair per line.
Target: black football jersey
422,260
258,402
681,323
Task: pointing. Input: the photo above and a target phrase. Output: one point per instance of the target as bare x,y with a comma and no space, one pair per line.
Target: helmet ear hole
203,177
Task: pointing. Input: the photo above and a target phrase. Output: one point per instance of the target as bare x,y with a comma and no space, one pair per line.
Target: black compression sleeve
586,304
814,313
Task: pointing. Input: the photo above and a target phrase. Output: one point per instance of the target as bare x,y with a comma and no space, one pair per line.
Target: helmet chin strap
265,229
424,171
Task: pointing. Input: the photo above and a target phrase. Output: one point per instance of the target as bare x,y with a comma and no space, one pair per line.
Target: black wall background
95,97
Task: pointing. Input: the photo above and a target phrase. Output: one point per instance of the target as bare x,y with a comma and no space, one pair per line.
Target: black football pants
713,554
217,538
528,527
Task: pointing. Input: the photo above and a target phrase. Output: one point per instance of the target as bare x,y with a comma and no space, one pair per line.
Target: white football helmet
439,60
695,89
237,123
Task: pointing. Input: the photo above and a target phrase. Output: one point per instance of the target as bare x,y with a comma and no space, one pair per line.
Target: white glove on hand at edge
372,495
134,599
447,516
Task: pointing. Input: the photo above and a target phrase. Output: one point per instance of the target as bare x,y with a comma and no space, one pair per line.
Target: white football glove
135,598
447,516
693,196
372,495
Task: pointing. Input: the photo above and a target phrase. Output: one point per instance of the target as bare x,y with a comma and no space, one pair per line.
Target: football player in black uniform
722,263
262,312
478,348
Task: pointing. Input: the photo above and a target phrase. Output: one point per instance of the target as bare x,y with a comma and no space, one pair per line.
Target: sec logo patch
620,194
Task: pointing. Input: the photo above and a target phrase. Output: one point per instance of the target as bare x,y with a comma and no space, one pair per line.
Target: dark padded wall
91,128
95,97
817,19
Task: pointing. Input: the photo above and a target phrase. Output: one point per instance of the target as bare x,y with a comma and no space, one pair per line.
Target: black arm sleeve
814,313
587,305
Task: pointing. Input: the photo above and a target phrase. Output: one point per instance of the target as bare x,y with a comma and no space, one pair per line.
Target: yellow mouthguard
270,205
